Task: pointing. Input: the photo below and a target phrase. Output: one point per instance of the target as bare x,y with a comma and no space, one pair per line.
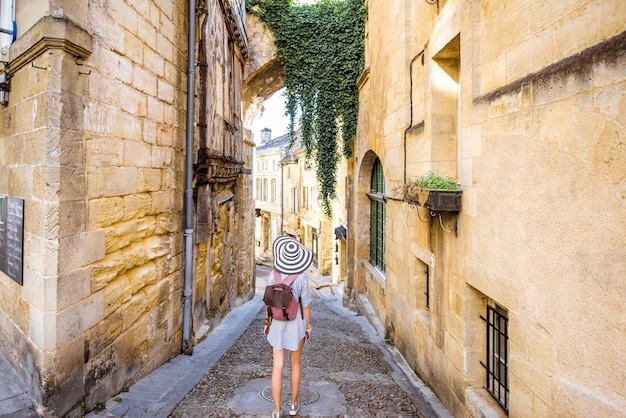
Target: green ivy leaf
321,48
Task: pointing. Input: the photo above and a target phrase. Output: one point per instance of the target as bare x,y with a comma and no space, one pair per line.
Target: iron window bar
427,292
497,359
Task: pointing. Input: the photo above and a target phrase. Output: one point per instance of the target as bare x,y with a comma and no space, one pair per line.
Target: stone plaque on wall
12,237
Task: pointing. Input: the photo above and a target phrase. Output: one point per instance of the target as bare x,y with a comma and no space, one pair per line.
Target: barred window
377,216
497,358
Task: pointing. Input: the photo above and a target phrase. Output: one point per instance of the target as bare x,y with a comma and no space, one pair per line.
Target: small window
497,355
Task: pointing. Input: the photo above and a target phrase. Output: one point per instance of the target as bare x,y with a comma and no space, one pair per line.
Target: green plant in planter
433,181
433,192
321,49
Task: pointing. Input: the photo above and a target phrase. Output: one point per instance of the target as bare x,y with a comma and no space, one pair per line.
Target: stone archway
263,74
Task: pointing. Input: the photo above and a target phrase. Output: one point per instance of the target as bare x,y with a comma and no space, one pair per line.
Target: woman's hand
266,330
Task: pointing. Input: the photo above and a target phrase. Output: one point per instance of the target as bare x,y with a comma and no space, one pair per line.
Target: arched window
377,216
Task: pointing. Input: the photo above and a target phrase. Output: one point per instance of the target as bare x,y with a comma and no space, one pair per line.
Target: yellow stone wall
522,103
96,145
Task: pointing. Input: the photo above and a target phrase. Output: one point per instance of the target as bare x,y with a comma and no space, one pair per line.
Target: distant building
287,201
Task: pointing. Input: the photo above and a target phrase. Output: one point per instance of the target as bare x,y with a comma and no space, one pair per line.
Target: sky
273,117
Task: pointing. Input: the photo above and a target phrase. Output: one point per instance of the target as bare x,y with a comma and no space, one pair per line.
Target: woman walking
290,258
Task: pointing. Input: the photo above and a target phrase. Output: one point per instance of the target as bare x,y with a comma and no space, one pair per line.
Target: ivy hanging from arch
321,49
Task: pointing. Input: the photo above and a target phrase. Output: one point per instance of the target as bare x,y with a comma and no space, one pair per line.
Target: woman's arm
307,317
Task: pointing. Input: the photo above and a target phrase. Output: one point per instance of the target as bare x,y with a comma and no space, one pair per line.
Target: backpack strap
288,281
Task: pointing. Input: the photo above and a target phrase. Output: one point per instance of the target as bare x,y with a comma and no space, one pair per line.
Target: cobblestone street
346,369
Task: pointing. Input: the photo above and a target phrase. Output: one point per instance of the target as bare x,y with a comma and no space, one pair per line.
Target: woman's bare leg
277,377
296,372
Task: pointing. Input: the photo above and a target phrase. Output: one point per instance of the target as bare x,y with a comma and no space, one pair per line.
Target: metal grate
497,367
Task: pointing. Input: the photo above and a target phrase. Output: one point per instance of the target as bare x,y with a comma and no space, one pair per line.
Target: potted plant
434,192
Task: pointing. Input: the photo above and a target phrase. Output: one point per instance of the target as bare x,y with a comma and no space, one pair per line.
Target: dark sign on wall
12,237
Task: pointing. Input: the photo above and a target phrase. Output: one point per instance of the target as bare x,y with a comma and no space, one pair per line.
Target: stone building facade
514,304
93,142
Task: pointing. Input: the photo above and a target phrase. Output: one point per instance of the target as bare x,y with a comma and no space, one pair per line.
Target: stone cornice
49,33
609,49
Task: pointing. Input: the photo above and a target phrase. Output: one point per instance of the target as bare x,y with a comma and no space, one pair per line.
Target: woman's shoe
275,414
294,408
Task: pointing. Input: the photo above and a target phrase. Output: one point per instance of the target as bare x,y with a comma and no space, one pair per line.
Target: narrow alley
348,371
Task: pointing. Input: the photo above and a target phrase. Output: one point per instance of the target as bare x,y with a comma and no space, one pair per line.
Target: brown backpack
279,300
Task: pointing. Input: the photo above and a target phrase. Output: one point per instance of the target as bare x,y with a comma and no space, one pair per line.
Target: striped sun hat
291,257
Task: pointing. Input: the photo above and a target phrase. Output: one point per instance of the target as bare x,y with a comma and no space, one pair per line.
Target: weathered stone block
20,181
123,125
132,101
542,350
68,359
112,63
71,287
133,310
93,245
71,218
141,276
536,380
103,151
134,48
148,180
493,75
116,294
165,48
104,212
166,91
119,181
136,206
155,62
75,320
145,80
156,110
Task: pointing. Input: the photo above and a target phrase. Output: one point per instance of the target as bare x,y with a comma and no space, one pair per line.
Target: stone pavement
347,371
15,400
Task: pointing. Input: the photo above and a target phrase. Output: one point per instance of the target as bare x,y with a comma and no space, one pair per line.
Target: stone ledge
578,63
482,405
49,33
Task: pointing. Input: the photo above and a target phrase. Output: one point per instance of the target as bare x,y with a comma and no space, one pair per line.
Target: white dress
287,334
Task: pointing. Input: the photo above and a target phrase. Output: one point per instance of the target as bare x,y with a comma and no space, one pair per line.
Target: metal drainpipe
187,292
419,54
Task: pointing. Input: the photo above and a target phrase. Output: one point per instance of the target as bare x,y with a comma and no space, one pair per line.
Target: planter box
438,200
